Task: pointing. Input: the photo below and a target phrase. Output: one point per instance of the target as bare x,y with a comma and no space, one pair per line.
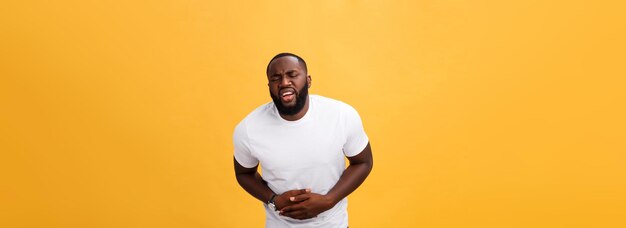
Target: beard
300,102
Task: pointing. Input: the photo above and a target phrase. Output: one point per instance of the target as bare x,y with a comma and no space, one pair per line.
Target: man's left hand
309,205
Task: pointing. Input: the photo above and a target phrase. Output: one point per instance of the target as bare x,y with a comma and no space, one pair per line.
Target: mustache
301,96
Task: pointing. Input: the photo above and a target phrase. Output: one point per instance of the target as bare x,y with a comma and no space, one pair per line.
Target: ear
308,81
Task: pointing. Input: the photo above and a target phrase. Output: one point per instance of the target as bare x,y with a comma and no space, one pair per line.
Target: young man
301,142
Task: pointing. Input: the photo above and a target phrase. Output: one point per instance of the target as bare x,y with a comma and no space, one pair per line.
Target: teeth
287,93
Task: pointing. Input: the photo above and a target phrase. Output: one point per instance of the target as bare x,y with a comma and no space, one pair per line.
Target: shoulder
332,105
330,102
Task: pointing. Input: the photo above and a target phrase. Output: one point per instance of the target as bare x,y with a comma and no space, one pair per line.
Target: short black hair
300,60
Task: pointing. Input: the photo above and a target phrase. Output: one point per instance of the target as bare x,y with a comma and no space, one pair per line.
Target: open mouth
287,95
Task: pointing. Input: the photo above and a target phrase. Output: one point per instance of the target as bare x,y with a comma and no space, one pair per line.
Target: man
300,142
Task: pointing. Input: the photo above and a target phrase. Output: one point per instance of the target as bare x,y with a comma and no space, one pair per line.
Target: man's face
288,84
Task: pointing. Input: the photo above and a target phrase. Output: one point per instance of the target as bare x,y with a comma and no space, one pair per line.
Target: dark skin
287,74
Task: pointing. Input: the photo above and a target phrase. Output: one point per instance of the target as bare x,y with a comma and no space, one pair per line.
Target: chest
305,146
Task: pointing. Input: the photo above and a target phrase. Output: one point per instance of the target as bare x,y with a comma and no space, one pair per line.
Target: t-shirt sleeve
356,139
243,154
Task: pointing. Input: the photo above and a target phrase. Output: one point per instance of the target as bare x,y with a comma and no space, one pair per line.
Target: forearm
349,181
309,205
312,204
359,168
254,184
251,181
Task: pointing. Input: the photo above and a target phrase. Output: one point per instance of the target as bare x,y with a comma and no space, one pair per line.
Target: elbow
370,166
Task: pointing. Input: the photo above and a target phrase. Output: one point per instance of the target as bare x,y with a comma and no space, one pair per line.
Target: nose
285,81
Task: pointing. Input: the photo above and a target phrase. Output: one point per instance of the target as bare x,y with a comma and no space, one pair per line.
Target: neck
298,115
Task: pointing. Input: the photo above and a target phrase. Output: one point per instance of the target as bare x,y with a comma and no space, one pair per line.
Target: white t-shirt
306,153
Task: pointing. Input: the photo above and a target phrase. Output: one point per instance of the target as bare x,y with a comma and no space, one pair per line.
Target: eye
274,78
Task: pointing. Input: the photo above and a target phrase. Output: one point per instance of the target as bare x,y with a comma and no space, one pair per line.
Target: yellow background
480,113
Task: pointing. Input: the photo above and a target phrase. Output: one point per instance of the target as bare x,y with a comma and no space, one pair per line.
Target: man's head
289,83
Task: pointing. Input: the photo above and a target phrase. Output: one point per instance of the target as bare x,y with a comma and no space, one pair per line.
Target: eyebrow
287,72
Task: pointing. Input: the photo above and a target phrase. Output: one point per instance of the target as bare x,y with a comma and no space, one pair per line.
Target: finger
303,215
296,214
293,192
291,208
300,198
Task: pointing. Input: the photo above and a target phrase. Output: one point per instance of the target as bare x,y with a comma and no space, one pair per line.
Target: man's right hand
282,200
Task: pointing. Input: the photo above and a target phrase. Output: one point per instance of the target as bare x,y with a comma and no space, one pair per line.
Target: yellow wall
480,113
